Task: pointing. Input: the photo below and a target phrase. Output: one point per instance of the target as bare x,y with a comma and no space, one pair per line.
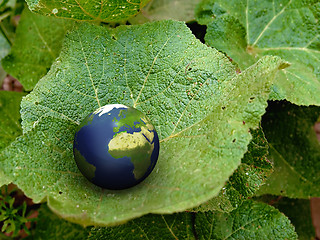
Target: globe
116,147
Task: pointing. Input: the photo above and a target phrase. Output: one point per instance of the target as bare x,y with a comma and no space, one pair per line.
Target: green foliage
51,227
156,10
13,218
105,11
246,179
297,210
190,74
247,30
8,10
206,106
10,126
175,226
251,220
42,38
296,163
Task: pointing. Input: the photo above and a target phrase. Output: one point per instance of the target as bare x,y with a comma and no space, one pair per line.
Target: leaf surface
4,50
156,10
247,30
4,46
252,220
191,94
37,44
294,150
297,210
105,11
174,226
10,126
246,179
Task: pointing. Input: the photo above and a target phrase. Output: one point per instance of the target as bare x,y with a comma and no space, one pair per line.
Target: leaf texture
156,10
191,94
10,126
252,220
37,44
253,171
294,150
100,11
246,30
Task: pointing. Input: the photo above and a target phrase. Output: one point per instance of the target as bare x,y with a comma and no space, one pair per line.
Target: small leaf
207,10
287,28
105,11
156,10
294,150
191,94
4,46
251,220
297,210
37,44
4,50
246,179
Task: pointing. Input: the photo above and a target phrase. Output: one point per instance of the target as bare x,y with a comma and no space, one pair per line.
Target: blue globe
116,147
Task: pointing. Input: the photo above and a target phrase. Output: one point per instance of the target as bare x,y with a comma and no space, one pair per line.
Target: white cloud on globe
107,108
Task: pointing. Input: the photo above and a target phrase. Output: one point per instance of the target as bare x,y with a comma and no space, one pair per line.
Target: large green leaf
297,210
10,126
294,150
181,10
247,30
253,171
37,44
175,226
190,92
105,11
252,220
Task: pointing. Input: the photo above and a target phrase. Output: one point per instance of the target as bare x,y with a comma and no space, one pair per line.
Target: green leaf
156,10
4,50
175,226
294,150
191,94
247,178
4,46
252,220
286,28
10,126
297,210
51,227
37,44
207,10
105,11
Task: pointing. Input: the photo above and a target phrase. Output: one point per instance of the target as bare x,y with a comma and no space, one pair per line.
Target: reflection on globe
116,147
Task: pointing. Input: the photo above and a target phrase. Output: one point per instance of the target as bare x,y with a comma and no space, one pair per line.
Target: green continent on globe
83,164
138,146
129,117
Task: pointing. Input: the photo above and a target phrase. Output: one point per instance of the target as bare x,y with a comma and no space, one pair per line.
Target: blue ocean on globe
116,147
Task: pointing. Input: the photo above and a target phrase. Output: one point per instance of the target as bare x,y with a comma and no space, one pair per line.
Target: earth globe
116,147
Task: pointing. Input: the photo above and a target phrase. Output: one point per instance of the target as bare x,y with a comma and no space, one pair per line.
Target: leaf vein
270,22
